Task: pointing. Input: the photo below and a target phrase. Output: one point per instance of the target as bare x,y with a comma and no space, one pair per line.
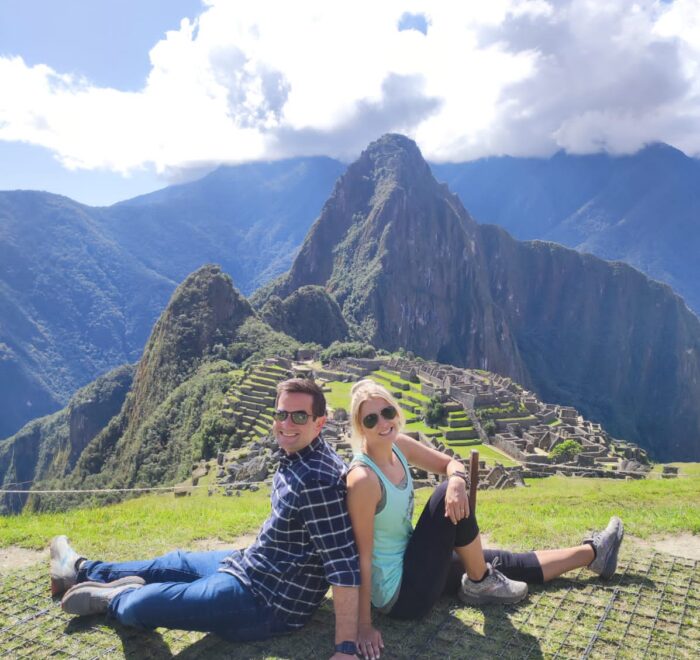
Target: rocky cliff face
623,347
292,315
411,269
641,209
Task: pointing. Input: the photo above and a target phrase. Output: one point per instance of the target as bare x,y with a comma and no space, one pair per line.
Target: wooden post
473,478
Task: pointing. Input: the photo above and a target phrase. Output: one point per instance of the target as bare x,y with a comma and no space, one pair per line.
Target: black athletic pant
431,568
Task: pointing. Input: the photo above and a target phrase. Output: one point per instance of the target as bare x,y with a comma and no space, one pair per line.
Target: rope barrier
130,490
95,490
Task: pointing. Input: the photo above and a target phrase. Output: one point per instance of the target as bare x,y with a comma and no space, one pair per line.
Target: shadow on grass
135,643
623,581
503,638
211,646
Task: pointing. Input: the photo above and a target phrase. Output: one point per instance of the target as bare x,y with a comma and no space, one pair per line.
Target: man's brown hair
304,386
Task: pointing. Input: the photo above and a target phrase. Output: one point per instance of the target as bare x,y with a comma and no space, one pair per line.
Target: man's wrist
347,647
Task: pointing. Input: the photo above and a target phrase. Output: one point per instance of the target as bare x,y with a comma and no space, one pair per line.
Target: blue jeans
186,590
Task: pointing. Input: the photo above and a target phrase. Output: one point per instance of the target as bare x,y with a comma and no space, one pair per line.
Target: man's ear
320,421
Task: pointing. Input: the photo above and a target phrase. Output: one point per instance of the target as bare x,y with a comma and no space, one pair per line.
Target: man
272,587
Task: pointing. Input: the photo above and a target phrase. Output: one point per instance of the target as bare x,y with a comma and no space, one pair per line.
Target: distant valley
81,287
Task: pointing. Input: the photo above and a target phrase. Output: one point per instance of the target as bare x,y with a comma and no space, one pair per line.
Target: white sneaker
63,569
493,589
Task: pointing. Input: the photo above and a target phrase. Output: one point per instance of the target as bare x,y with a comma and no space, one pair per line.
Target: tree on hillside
435,412
566,451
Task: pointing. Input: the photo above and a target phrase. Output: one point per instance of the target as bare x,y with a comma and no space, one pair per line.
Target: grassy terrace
486,453
339,395
650,608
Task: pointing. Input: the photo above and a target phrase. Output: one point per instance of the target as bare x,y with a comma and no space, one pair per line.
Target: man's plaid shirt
307,542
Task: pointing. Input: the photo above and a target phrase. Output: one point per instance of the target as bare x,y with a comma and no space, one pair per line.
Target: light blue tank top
392,530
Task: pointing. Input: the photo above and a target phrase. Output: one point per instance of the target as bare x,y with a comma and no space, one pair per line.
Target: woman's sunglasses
370,421
298,416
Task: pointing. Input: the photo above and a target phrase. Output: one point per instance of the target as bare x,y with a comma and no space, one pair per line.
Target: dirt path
680,545
13,558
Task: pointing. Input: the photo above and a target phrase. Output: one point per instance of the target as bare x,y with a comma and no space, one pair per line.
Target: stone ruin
496,477
526,429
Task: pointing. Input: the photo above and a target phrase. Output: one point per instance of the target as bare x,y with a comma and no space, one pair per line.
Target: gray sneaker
607,545
495,588
64,565
89,598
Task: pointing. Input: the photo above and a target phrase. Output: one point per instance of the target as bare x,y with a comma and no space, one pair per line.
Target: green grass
554,511
486,453
391,376
650,607
339,396
456,428
684,469
547,513
142,526
422,427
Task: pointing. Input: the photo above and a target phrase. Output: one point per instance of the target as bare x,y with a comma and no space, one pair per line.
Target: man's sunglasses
298,416
370,421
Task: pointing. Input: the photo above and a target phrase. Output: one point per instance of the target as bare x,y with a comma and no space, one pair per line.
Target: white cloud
267,79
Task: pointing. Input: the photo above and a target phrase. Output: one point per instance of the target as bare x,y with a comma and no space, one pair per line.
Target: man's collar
314,445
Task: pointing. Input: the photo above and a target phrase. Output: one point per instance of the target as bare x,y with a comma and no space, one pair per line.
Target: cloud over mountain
249,81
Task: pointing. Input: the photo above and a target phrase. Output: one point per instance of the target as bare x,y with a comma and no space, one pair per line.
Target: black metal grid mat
650,609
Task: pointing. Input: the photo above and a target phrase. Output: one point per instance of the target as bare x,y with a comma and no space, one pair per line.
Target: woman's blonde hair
362,391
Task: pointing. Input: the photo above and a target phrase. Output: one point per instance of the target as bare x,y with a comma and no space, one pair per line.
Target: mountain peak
205,310
394,157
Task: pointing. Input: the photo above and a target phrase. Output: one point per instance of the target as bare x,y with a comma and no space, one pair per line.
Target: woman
404,571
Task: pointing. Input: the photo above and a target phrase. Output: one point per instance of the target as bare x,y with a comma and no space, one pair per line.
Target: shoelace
497,575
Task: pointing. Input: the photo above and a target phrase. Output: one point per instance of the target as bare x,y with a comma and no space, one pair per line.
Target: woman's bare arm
364,493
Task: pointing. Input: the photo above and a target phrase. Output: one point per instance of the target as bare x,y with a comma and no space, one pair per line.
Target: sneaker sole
59,586
491,600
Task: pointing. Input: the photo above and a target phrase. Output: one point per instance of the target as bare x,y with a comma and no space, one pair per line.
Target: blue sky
106,99
105,41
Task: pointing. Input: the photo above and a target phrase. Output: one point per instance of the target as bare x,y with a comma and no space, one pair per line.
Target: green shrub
340,349
435,412
566,451
489,427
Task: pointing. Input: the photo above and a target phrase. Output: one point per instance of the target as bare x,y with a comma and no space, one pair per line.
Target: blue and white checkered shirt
307,542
